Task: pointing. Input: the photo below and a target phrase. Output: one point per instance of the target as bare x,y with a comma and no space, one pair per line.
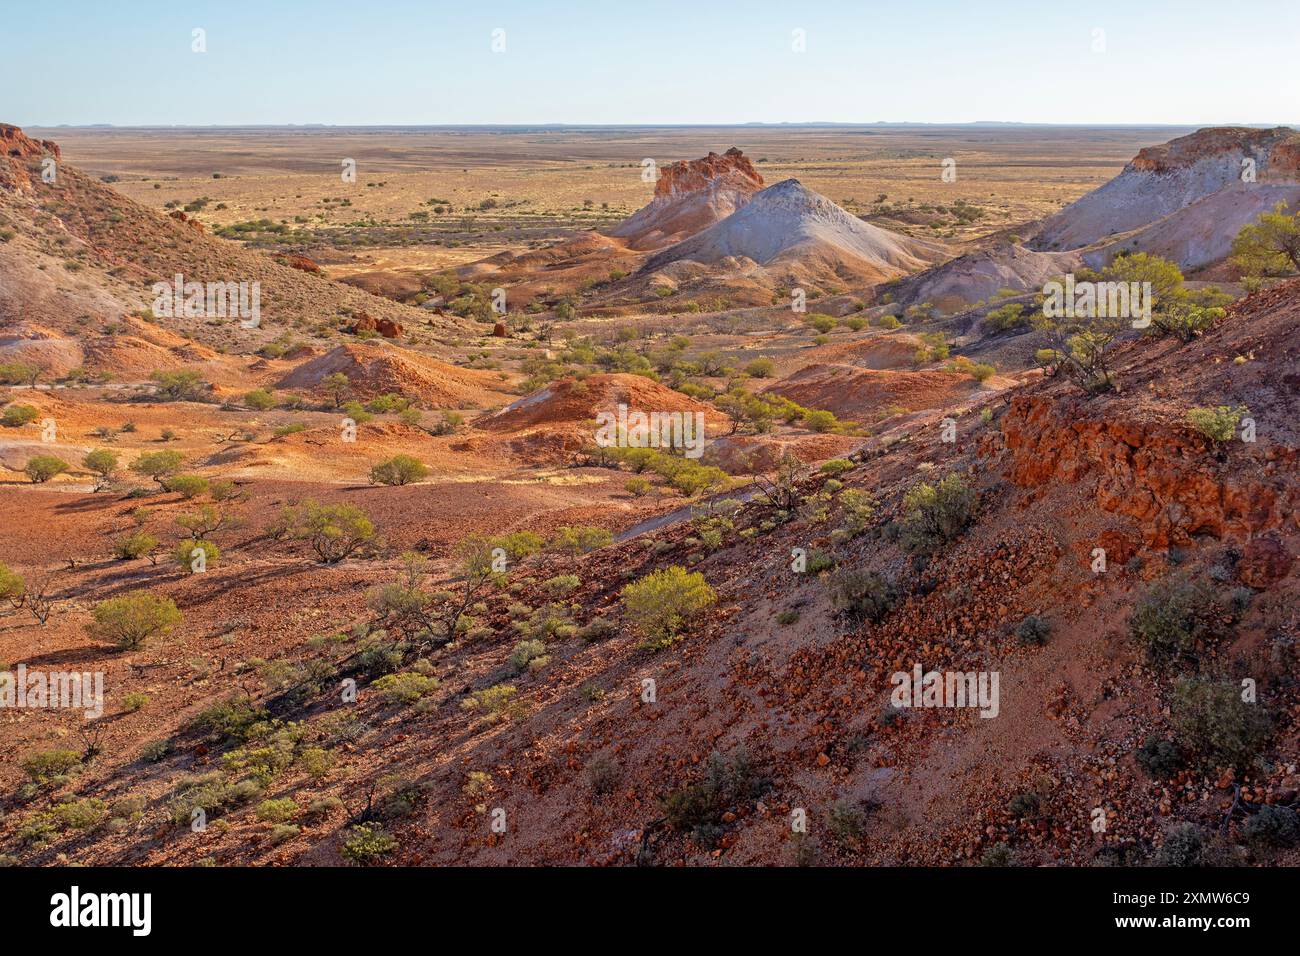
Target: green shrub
1160,758
846,821
699,807
189,561
158,465
861,596
1217,424
787,617
276,811
367,842
333,531
597,629
1033,631
229,719
15,416
836,466
259,399
128,621
1177,618
405,688
497,702
44,767
1215,724
1273,827
41,468
760,368
662,602
561,585
934,515
398,470
134,701
579,539
187,486
135,545
528,654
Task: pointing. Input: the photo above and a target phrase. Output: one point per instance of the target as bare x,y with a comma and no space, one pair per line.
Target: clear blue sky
374,62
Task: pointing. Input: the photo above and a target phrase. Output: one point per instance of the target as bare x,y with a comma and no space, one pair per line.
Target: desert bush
496,702
136,700
579,539
1218,424
662,602
637,486
180,386
787,617
934,515
187,486
228,719
1184,845
699,807
405,688
760,368
1273,827
41,468
819,420
1160,758
1009,316
15,416
158,465
130,620
47,766
561,585
276,811
836,466
597,629
259,399
367,842
189,561
519,544
333,531
528,654
135,545
861,595
398,470
1033,631
1177,618
103,464
1215,724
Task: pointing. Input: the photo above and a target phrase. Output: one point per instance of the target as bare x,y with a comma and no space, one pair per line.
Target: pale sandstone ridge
1185,200
691,195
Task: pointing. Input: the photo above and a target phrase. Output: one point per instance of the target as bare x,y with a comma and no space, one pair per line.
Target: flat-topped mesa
17,144
731,168
1278,148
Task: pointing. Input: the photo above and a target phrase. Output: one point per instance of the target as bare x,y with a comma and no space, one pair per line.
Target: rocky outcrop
691,196
1163,476
365,322
732,169
18,145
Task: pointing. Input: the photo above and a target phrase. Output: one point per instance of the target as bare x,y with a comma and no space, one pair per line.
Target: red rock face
1284,143
686,176
302,263
1163,477
180,216
14,142
367,323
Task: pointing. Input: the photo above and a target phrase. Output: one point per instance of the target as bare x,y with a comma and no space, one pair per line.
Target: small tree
12,586
333,531
20,373
102,463
1270,246
193,555
158,465
129,621
179,386
41,468
338,387
662,602
398,470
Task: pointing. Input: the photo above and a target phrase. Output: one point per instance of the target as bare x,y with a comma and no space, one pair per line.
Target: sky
402,62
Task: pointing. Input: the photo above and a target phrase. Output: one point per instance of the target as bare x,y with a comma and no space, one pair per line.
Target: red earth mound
374,369
863,394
